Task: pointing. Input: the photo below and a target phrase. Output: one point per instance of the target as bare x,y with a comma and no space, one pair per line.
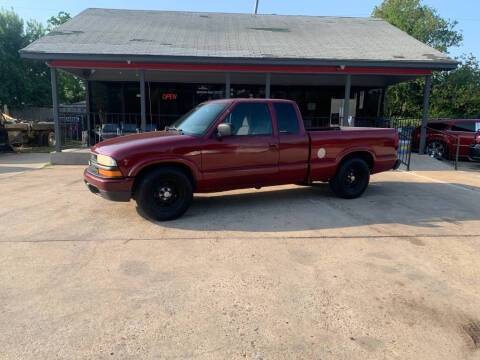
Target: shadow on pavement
427,163
312,208
12,169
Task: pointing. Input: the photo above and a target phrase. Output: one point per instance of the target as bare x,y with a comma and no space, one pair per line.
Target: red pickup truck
235,143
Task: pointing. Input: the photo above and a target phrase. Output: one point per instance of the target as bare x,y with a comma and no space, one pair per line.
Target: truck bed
329,145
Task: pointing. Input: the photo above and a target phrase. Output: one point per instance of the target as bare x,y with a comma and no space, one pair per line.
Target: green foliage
24,82
54,21
16,76
420,21
454,93
457,93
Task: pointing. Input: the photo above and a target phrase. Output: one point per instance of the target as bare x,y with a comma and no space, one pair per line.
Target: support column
87,106
122,103
384,101
267,85
143,115
227,85
58,138
346,102
426,99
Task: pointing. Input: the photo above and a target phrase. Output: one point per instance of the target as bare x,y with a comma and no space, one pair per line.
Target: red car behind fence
443,136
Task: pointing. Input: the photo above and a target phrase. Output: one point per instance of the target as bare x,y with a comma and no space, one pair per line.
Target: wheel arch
162,164
364,154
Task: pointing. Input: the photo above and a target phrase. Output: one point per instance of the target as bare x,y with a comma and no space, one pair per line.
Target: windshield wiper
168,128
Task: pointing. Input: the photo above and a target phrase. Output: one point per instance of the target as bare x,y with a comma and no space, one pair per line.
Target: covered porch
126,97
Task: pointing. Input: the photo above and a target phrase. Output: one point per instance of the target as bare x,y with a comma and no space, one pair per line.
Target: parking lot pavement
278,273
15,163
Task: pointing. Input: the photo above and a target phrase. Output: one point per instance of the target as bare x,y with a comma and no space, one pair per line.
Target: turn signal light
110,173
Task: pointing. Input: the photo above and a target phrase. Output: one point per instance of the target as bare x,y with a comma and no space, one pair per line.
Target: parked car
474,149
231,144
442,135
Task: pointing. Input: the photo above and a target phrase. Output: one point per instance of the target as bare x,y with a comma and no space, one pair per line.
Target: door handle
272,145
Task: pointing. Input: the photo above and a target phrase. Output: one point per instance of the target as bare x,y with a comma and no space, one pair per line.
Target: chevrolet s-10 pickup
231,144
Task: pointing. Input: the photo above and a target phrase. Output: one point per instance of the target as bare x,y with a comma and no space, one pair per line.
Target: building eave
406,64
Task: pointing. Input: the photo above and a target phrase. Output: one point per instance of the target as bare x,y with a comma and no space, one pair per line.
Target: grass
34,149
46,149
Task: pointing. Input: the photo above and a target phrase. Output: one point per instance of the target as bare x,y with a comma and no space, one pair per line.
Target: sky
466,12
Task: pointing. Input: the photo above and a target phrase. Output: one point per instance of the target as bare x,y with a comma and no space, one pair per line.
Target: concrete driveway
14,163
278,273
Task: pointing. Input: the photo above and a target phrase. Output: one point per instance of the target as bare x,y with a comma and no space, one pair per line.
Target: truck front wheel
164,193
351,179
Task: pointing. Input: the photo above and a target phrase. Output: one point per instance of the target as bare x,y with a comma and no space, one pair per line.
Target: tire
51,139
437,149
164,193
351,179
42,139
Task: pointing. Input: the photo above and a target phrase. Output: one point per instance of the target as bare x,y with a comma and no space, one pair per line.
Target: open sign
169,96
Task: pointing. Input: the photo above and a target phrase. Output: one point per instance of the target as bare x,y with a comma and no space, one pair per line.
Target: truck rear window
287,120
437,126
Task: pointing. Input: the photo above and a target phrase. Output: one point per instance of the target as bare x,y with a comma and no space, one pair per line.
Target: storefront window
247,91
119,102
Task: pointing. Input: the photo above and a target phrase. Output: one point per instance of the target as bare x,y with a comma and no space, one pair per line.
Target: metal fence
442,150
72,129
108,125
409,139
405,128
99,126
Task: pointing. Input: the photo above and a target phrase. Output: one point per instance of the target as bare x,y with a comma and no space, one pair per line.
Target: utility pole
256,6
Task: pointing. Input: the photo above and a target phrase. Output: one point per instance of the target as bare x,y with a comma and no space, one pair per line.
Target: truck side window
250,119
287,120
463,126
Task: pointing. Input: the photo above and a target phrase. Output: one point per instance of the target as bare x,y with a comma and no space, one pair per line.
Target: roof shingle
163,35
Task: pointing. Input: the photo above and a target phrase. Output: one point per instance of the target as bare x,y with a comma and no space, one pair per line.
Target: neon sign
169,96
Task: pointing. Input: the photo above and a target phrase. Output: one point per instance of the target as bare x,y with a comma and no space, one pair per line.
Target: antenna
256,6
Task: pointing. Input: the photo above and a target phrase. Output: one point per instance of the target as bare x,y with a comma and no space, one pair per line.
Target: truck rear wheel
351,179
164,193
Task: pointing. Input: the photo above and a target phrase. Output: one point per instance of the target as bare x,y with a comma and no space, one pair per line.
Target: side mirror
224,130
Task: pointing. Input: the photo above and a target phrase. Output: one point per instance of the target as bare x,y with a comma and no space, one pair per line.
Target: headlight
106,160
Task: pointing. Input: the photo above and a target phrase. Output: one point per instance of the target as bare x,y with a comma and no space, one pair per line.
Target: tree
24,82
454,93
420,21
70,88
457,93
18,79
54,21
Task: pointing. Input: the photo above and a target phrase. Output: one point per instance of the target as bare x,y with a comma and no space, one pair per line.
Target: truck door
247,158
293,144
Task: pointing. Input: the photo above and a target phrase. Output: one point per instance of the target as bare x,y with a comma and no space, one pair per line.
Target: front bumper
118,189
474,152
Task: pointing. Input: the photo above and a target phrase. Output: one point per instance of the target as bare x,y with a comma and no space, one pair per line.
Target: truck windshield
197,121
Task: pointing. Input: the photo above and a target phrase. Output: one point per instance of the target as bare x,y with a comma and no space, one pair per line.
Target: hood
122,146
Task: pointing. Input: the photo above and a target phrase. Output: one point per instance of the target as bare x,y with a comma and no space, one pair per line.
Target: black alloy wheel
351,179
164,193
